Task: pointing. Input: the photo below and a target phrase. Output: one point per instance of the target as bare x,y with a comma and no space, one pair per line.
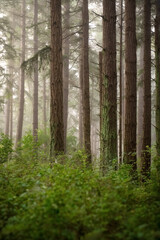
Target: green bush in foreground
5,147
69,203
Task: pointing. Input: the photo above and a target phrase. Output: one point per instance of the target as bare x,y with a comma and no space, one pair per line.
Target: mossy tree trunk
56,83
157,46
86,95
146,156
109,124
130,81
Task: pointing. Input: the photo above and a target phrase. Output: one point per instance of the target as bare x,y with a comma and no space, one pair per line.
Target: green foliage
65,202
5,148
28,149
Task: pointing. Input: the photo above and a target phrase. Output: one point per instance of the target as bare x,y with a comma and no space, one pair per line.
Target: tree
66,67
35,87
145,157
109,125
56,85
157,48
21,98
130,78
86,97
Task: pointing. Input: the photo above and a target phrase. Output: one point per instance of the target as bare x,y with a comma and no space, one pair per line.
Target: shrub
6,148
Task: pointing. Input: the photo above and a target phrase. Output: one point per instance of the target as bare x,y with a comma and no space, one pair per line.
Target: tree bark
157,48
35,86
120,84
109,129
44,106
21,98
66,68
130,75
56,86
146,156
86,97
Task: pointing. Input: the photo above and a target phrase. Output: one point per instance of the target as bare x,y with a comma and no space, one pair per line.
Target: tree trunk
56,86
44,106
7,111
130,75
81,130
157,46
35,86
120,84
66,68
146,156
140,104
21,98
86,97
100,96
109,129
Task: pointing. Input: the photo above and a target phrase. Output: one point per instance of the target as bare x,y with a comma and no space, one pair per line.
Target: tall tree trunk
146,156
120,84
86,97
109,129
100,96
35,86
130,75
66,68
157,46
21,98
140,103
56,86
44,106
81,130
7,111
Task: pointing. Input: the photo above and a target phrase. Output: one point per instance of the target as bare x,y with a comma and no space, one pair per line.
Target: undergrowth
70,203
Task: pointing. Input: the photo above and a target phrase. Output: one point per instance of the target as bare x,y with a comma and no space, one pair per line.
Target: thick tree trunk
130,75
100,96
109,129
157,46
35,86
56,86
86,97
146,156
21,98
66,68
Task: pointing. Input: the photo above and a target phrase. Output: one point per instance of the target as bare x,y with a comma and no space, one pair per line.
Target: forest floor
69,202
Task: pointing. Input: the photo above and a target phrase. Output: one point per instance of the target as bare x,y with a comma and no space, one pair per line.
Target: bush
6,148
69,203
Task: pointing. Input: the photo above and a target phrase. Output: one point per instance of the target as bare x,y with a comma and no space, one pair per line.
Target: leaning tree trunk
35,86
109,128
56,84
66,68
131,78
157,46
86,97
146,156
21,99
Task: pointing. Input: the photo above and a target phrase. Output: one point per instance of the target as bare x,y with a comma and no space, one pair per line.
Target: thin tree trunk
7,114
66,68
130,75
81,130
35,86
100,95
86,97
56,86
109,129
146,156
21,98
120,84
157,46
140,104
44,106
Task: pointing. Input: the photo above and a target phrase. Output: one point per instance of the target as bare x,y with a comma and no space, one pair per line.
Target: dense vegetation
70,201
